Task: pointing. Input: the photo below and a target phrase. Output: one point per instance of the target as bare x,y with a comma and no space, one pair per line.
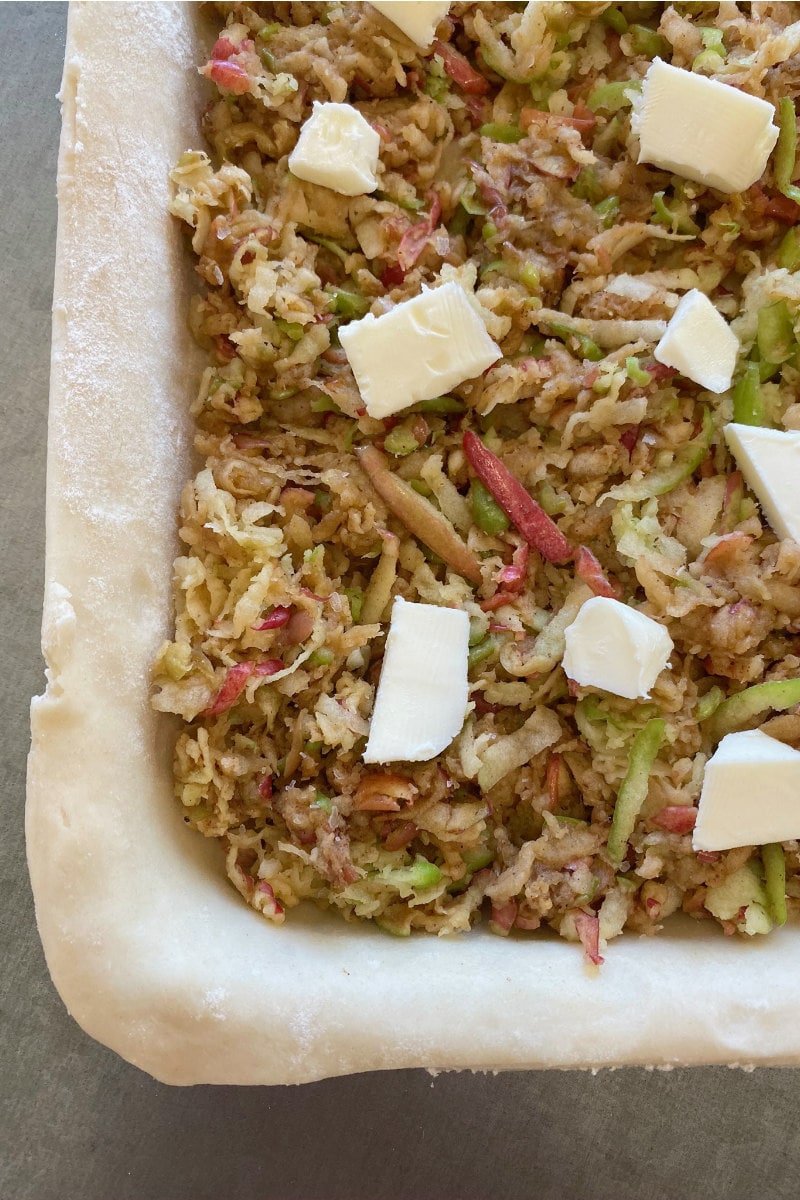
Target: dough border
152,951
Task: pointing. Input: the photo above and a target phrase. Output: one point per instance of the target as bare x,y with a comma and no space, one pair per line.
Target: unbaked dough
151,949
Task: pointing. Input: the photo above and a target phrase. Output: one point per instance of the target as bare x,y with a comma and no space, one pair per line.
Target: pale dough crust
151,949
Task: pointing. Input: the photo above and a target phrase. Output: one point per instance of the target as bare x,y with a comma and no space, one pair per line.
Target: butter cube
704,130
337,149
616,648
750,795
422,694
419,350
699,343
769,459
417,19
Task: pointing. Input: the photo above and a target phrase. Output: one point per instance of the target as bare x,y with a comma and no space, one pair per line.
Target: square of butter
338,149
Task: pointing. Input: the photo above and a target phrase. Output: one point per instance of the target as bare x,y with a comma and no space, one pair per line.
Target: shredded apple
576,466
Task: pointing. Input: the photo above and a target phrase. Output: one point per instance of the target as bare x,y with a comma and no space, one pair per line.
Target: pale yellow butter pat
751,794
615,648
417,19
338,149
419,350
707,131
422,693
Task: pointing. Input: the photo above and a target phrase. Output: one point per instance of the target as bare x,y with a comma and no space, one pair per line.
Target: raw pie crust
152,951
